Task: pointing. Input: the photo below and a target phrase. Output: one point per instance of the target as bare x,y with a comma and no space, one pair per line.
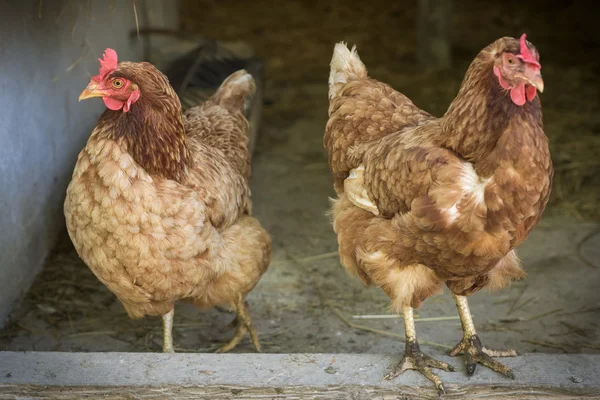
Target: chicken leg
243,324
471,346
168,332
414,357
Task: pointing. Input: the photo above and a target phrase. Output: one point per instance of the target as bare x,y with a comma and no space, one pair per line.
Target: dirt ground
305,302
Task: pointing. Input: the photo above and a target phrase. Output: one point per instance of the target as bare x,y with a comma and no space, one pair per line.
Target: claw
415,359
475,354
243,325
235,340
441,390
471,368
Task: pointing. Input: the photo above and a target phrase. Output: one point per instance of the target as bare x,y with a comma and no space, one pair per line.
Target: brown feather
159,205
455,195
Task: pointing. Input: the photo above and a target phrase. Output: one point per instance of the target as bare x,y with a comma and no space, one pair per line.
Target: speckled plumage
453,196
159,205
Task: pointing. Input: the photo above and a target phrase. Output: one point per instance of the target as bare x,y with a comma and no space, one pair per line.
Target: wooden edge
354,392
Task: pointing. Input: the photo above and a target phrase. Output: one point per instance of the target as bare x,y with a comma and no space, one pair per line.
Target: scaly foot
416,360
235,340
243,325
475,353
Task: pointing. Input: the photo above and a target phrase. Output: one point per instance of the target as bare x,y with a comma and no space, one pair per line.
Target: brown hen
425,201
159,205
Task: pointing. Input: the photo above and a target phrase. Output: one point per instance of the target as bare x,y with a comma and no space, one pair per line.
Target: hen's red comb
526,54
107,64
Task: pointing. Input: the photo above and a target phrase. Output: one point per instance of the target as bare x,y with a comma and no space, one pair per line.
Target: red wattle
517,94
531,91
112,103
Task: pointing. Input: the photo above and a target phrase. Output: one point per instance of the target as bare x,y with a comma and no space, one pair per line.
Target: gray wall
48,51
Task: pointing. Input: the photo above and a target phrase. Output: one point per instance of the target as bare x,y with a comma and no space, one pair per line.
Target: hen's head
517,67
117,91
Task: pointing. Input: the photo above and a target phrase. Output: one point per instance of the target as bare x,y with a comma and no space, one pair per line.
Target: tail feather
236,90
345,66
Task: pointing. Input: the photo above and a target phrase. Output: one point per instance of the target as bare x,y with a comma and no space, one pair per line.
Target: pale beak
534,76
539,83
91,91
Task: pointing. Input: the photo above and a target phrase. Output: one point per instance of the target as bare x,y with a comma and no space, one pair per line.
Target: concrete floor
556,309
157,376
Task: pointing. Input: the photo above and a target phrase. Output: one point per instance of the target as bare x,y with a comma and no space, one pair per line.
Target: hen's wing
221,186
220,122
401,177
218,133
361,110
365,111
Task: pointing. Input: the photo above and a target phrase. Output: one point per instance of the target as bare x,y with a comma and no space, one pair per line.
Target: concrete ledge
51,375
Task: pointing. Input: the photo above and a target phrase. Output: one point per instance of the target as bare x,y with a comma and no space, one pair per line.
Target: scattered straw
305,259
543,315
573,328
73,36
62,11
377,331
26,328
92,333
70,321
319,257
525,303
517,299
397,316
580,246
559,346
510,320
571,209
70,67
591,346
583,311
137,22
495,327
66,282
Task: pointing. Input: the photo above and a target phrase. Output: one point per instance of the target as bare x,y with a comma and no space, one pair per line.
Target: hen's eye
511,61
117,83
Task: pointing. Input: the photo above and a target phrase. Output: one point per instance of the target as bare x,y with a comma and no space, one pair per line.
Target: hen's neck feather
152,132
482,113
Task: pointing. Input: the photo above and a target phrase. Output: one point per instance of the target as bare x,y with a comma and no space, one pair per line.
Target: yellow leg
168,332
409,324
466,319
244,316
471,346
243,322
414,357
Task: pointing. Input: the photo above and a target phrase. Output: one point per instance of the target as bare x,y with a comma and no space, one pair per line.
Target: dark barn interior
306,303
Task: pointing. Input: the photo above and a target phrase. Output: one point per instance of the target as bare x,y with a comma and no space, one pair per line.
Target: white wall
48,51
